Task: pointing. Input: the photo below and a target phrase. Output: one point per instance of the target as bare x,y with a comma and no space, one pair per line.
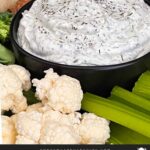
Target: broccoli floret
5,21
4,32
6,17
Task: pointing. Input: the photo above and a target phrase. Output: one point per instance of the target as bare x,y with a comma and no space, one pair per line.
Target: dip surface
86,32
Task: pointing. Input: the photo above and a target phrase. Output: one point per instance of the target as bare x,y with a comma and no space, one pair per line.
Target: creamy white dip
86,32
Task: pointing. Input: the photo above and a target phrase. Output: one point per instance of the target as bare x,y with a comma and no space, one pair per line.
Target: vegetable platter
57,109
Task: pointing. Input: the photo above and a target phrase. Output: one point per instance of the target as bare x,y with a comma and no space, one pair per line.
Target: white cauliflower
45,126
44,85
72,119
23,75
45,108
54,120
66,95
62,93
40,124
8,131
28,125
24,140
94,129
11,93
39,107
59,128
34,107
55,116
56,133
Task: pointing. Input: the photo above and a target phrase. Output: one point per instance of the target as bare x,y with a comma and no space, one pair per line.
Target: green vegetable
5,21
142,86
117,112
130,99
122,135
6,17
6,56
30,95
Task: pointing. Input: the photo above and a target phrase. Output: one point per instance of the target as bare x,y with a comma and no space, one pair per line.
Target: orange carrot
18,5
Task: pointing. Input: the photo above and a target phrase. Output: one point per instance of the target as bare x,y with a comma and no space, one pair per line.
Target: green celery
144,80
115,98
118,113
122,135
132,106
126,107
142,91
142,86
130,99
145,74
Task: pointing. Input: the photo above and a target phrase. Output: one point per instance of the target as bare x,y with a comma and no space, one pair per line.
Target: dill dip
86,32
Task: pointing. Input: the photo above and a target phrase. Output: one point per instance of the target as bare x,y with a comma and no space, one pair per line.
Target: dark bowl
96,79
147,1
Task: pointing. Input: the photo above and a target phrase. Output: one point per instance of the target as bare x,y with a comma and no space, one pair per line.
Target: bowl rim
13,40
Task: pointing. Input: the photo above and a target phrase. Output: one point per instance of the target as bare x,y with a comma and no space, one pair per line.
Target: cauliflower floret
72,119
23,75
51,115
62,93
55,133
94,129
39,107
14,119
66,95
24,140
8,131
11,94
28,124
34,107
45,84
48,127
45,108
56,125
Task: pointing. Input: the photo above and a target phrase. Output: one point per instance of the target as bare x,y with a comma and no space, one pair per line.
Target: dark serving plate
96,79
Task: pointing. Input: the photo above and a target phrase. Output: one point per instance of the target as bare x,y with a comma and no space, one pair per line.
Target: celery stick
142,86
127,108
130,98
122,135
142,91
113,97
118,113
143,82
132,106
145,74
142,94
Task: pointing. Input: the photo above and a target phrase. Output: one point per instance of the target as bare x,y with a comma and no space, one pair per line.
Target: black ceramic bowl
96,79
